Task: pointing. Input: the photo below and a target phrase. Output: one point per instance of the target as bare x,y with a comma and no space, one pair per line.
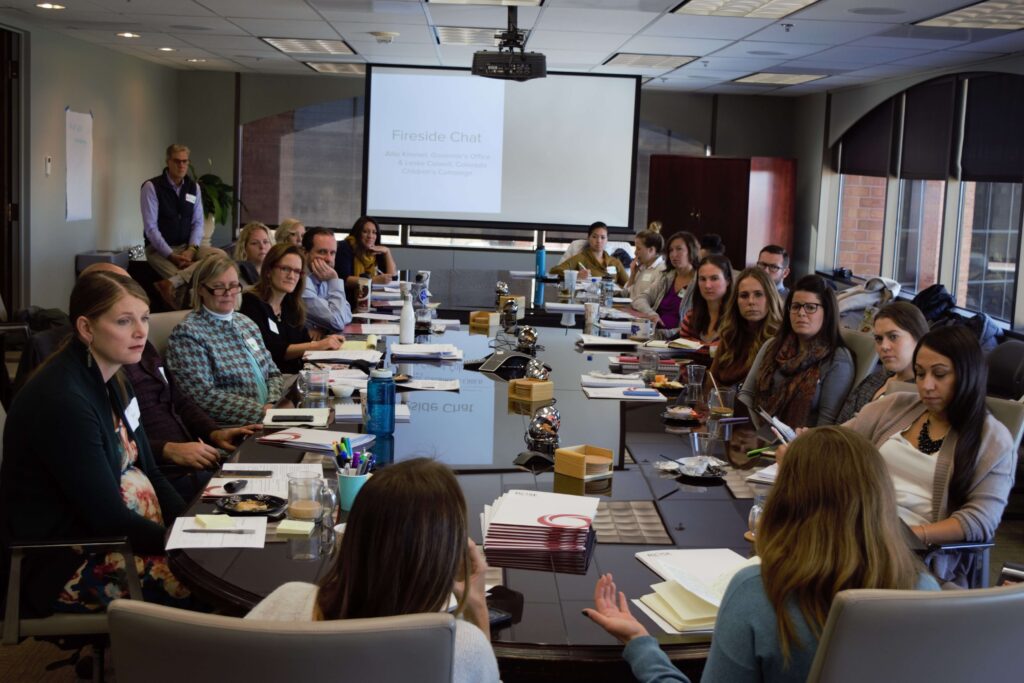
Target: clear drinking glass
702,450
309,497
648,361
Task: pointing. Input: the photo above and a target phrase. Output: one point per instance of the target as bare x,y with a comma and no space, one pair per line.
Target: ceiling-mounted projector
510,61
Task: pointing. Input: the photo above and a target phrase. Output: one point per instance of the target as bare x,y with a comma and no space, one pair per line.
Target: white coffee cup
569,278
591,310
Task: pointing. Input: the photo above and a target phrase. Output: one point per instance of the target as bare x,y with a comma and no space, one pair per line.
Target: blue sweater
745,646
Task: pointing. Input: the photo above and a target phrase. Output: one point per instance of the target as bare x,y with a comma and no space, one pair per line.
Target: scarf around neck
363,262
800,370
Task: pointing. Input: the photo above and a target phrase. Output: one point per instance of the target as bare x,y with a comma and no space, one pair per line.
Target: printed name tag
273,326
132,414
253,344
163,374
190,198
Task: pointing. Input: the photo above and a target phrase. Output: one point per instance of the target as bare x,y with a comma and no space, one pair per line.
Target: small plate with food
680,414
671,389
252,505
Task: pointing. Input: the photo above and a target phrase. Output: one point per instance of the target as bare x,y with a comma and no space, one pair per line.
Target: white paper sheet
78,152
380,328
371,357
595,340
618,393
611,381
274,485
662,624
180,539
353,412
431,384
385,317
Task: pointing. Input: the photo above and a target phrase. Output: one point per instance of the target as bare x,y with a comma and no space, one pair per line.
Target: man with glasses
327,308
774,260
172,221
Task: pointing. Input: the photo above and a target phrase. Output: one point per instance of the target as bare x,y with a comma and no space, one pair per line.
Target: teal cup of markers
348,488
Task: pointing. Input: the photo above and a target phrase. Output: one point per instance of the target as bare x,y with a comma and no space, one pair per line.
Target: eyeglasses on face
770,267
288,270
234,288
809,309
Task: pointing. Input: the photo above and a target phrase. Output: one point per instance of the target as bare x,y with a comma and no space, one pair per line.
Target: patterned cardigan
212,361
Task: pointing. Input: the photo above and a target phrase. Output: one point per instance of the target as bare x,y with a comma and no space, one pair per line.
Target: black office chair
69,631
15,330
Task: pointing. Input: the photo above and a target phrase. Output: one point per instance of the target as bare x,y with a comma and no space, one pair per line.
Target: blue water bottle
542,256
380,402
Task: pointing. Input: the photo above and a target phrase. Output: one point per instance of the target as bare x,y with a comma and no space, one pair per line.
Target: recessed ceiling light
666,62
128,34
301,46
756,9
195,60
779,79
876,11
459,35
346,68
166,49
999,15
49,5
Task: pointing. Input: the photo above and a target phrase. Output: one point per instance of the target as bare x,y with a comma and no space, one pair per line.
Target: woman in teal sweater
830,521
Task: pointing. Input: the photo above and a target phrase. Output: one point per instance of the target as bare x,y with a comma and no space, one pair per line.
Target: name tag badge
253,344
163,374
132,414
273,326
190,198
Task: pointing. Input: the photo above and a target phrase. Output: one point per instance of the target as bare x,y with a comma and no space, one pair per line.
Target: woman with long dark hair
667,301
361,255
275,304
803,375
829,524
753,315
405,550
594,261
714,285
951,462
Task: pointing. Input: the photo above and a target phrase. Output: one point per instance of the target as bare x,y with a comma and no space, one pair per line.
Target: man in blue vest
172,220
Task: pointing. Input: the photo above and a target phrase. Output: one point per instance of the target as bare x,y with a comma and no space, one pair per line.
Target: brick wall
861,224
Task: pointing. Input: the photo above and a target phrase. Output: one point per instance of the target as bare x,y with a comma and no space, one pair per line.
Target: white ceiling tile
413,61
396,11
623,70
558,58
905,11
752,48
407,33
272,28
691,73
739,89
636,5
479,16
382,52
866,55
178,24
262,9
748,64
730,28
457,55
818,32
1014,42
256,55
946,58
567,40
185,8
882,71
812,63
224,42
596,20
658,45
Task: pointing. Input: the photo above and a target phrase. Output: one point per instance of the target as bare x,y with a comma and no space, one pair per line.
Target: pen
759,451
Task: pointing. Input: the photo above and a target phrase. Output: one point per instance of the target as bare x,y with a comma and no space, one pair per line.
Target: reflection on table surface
474,431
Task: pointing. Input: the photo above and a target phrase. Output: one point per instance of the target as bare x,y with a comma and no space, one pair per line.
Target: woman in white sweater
405,551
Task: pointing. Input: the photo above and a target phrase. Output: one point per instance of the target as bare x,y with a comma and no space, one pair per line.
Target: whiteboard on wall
78,153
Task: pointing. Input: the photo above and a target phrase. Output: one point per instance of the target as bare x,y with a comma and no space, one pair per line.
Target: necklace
925,443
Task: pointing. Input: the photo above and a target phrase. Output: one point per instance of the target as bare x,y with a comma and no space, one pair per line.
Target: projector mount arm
512,38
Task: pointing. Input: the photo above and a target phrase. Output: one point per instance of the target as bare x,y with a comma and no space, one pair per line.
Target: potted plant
218,198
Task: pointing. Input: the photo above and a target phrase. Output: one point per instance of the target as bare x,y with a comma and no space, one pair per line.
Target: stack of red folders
539,530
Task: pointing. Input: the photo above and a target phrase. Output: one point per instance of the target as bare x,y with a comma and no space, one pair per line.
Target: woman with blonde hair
78,463
753,315
250,250
218,356
829,524
290,231
394,559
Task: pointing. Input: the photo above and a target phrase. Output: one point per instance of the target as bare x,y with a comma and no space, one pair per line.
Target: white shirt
913,473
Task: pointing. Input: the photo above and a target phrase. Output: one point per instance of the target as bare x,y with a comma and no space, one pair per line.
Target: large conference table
479,433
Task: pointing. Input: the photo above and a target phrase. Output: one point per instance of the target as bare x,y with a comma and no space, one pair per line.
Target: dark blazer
260,312
60,477
167,414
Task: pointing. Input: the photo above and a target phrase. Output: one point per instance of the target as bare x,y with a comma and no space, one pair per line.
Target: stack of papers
539,530
344,355
675,344
695,583
271,480
559,307
617,325
384,329
625,393
246,532
610,379
320,440
353,412
765,476
430,385
426,351
393,286
383,317
666,366
594,340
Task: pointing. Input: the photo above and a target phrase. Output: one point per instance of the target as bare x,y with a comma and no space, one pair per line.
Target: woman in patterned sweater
218,356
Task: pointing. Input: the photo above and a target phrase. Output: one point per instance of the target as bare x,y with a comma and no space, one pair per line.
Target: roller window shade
928,122
867,145
993,149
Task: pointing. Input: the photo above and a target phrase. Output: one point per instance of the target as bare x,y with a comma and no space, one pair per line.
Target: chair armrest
960,545
19,549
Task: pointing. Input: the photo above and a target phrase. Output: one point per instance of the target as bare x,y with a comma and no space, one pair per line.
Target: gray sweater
834,382
474,658
649,300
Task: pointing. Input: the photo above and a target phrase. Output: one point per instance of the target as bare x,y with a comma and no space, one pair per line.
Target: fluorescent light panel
756,9
337,68
640,61
1000,15
303,46
779,79
459,35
